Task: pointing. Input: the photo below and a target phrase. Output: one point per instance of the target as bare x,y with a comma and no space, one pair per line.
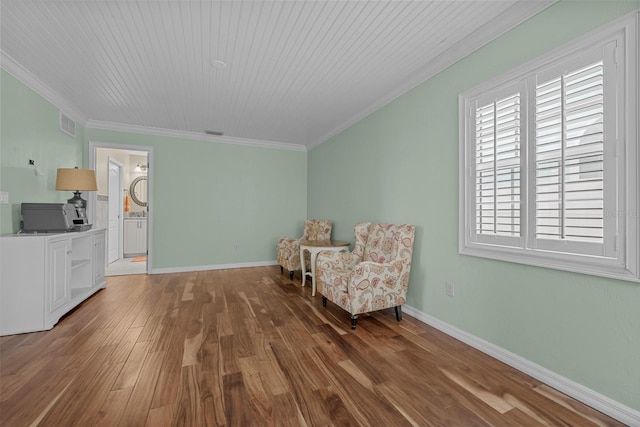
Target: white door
115,211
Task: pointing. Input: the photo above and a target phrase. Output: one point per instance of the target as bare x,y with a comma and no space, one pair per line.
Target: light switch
4,198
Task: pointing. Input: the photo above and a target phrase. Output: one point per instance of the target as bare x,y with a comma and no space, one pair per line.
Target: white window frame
620,258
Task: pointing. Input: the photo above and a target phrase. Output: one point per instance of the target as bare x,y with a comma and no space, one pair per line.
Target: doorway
119,170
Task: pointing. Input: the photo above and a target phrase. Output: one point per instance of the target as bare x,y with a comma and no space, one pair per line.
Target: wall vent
67,125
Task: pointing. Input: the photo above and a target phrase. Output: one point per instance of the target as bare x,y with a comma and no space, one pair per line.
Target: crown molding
35,84
509,19
121,127
32,82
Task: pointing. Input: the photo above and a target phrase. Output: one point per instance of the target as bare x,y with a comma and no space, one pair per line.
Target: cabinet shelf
77,263
75,292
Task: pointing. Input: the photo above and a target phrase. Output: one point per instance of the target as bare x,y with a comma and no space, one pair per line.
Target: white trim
121,127
23,75
558,261
571,388
212,267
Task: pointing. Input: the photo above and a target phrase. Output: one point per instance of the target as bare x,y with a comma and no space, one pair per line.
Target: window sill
591,265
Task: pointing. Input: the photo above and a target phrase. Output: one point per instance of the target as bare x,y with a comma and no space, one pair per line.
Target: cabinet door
142,236
59,273
98,259
130,236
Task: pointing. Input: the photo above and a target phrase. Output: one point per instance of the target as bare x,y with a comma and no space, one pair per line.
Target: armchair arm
288,242
342,261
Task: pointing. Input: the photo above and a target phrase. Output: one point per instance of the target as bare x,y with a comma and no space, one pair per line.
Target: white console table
44,276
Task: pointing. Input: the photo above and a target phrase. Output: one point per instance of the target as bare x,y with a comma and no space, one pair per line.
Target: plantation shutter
497,167
570,156
574,155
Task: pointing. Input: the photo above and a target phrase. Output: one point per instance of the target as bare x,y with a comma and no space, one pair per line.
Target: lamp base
77,200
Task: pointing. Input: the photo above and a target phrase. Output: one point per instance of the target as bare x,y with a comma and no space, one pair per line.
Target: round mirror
138,191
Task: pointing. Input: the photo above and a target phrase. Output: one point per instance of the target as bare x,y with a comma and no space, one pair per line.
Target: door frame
91,201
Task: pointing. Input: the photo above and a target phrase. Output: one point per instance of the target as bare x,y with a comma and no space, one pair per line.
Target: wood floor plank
237,410
301,385
83,413
364,405
125,345
189,410
251,347
170,375
139,403
39,391
287,412
131,370
258,392
212,394
161,417
112,408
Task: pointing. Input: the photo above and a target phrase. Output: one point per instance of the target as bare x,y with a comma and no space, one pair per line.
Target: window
549,159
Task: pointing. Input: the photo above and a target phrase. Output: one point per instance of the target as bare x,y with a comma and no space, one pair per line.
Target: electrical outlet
4,197
450,289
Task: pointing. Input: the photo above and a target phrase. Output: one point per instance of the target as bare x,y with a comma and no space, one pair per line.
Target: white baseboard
212,267
579,392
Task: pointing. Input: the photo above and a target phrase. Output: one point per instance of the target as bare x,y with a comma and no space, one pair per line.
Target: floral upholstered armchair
289,249
374,276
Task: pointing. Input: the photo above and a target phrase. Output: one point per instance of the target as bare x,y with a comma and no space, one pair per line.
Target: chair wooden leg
354,320
399,312
324,301
281,269
291,275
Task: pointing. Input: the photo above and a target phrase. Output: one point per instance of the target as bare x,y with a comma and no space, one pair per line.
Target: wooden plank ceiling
291,72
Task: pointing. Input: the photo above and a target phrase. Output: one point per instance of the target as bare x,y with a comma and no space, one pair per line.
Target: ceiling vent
214,132
67,125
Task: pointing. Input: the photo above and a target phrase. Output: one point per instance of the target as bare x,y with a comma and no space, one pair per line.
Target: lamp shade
76,180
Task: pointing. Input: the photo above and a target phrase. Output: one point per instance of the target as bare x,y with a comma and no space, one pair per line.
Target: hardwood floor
250,347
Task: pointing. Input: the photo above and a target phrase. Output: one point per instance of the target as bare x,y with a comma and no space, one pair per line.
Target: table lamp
76,180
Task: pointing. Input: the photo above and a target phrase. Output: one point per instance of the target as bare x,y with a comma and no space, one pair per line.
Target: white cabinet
135,236
44,276
59,274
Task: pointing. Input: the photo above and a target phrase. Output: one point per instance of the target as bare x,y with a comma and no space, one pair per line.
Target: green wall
400,165
29,131
207,196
